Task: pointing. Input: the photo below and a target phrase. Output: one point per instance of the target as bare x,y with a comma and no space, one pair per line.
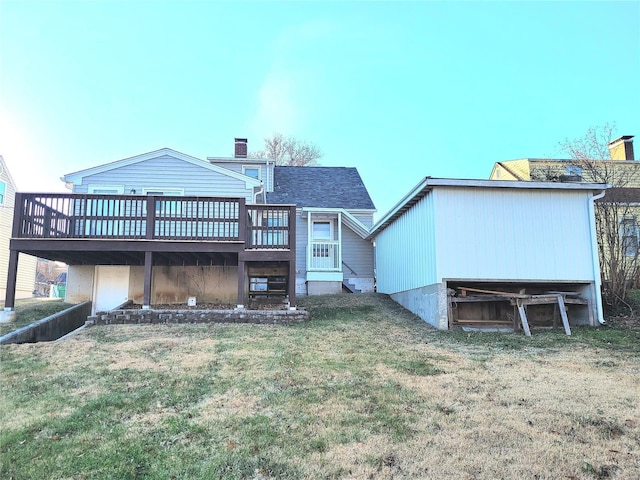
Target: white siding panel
513,234
166,171
406,250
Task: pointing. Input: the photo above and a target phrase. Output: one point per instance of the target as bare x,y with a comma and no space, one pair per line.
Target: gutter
594,255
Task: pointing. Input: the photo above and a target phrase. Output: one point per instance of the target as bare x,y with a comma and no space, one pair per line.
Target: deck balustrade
132,217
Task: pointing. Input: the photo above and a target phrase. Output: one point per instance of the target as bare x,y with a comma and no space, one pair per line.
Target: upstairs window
3,188
629,235
251,171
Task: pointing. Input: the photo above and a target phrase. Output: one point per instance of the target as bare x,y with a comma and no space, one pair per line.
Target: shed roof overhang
429,183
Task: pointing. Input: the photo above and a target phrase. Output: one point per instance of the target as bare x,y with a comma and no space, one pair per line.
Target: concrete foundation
323,288
429,303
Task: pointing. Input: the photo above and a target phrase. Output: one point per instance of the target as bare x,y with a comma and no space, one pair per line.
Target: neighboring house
26,274
164,226
620,166
449,237
334,215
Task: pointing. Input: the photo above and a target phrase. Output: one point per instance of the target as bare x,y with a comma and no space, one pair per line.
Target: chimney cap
623,138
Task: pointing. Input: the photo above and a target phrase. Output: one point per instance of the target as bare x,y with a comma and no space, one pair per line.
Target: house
26,274
166,227
469,252
620,170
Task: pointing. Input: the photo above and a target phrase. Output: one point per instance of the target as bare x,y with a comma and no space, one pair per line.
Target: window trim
169,192
252,167
625,222
119,189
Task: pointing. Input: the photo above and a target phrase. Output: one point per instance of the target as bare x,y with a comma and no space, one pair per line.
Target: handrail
109,216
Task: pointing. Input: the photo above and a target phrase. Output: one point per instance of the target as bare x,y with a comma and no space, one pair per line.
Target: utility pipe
594,254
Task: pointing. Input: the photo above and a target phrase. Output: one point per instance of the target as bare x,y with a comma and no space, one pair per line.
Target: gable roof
320,187
76,177
427,184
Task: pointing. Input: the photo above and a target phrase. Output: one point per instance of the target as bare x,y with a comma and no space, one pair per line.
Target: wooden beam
563,315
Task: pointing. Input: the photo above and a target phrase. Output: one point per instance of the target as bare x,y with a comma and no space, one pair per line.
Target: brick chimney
622,148
241,148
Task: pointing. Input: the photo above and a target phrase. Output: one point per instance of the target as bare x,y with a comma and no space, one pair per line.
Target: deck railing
95,216
324,255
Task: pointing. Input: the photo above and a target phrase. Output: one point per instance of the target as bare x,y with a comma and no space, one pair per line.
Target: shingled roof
321,187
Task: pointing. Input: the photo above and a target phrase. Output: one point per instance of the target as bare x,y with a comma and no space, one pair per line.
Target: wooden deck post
12,275
292,260
148,268
241,275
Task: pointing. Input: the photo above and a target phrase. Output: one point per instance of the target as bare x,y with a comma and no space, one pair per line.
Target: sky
400,90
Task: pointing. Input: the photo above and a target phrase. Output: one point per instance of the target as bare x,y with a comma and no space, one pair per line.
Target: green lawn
363,390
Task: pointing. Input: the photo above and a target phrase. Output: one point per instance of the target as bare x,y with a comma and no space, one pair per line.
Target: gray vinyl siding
168,172
357,253
266,173
366,219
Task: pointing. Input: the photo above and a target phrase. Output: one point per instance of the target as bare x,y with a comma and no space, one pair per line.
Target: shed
473,252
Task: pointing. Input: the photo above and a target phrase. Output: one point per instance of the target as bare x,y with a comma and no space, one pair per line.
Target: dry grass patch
364,390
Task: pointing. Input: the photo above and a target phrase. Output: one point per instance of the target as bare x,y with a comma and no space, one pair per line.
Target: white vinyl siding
406,250
513,234
164,173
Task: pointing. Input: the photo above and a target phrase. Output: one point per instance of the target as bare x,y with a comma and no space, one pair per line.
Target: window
574,170
3,187
322,230
629,236
251,171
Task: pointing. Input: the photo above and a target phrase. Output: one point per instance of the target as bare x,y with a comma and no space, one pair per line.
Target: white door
111,287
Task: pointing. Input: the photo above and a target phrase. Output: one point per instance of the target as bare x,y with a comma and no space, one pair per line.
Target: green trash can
62,291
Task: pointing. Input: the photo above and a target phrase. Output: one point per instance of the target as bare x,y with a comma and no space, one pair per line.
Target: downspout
259,192
594,255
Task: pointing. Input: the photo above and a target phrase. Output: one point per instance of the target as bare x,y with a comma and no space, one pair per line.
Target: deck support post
241,275
148,267
10,295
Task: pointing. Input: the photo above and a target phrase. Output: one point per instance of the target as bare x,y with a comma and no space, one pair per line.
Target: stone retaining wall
115,317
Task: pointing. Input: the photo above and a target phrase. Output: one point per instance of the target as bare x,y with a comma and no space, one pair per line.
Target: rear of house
450,238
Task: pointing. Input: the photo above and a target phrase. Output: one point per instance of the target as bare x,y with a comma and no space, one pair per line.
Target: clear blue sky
400,90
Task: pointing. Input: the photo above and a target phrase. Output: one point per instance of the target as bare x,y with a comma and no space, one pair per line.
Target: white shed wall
406,250
513,234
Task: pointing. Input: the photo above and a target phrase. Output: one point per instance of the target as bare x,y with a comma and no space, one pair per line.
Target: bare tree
289,151
616,214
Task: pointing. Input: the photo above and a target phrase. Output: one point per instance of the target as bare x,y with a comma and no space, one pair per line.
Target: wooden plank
523,317
494,292
563,314
469,320
481,298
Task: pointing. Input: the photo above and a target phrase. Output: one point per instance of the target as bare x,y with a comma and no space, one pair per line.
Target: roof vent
241,148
